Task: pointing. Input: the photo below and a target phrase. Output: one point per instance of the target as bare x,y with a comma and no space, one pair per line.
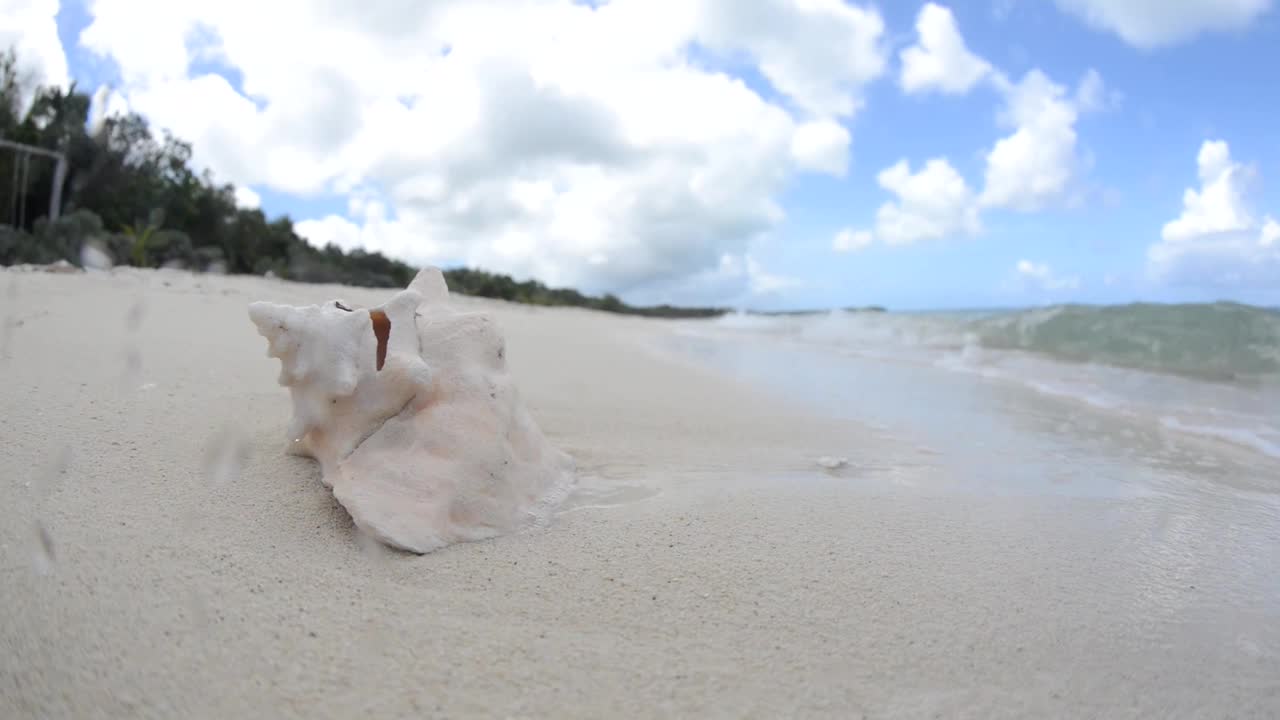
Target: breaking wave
1219,341
1207,369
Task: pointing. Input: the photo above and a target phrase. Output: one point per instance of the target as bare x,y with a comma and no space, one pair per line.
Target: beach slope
162,556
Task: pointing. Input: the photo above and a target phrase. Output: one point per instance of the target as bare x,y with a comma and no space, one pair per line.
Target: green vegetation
863,309
136,199
532,292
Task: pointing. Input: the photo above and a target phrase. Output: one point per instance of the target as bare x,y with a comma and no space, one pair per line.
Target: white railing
22,154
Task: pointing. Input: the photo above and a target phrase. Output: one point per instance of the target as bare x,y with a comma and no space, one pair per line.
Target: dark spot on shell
382,331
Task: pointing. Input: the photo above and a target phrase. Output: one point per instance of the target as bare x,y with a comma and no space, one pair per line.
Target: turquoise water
1222,341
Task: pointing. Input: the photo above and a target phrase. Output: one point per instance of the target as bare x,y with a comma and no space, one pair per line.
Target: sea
1111,400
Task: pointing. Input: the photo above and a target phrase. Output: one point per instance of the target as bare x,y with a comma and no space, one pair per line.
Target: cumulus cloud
247,198
1093,95
30,28
932,204
1270,233
1041,276
940,60
759,281
850,240
105,103
586,146
1217,241
735,280
821,146
1036,164
1148,25
1219,205
814,51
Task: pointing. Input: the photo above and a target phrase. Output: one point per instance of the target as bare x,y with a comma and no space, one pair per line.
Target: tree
121,173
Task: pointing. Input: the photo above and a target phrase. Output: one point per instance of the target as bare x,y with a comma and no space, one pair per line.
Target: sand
160,556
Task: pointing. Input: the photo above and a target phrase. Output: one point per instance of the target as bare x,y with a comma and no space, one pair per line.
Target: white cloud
735,280
247,198
1093,95
1151,24
761,282
821,146
1036,165
581,145
1270,232
1042,277
1217,241
820,53
940,60
1219,205
933,203
850,240
105,103
30,28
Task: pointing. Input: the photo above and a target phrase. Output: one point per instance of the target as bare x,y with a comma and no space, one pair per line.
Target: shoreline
1249,446
705,565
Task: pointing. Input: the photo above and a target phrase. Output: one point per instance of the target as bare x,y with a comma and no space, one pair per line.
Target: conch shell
417,425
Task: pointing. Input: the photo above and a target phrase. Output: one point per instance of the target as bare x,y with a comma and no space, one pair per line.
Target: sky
769,154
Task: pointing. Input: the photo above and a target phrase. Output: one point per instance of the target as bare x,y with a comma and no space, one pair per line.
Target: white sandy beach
706,566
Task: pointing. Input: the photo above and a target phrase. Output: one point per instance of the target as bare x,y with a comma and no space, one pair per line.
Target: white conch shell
417,425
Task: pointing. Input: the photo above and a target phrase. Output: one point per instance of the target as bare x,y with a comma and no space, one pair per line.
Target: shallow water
1027,429
1194,518
1209,370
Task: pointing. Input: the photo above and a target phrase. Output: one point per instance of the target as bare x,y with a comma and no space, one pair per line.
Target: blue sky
1215,86
1205,79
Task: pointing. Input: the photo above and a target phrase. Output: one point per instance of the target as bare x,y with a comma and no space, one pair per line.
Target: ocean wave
1211,370
1225,341
1217,341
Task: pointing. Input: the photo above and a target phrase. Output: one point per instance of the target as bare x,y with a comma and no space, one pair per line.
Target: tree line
134,197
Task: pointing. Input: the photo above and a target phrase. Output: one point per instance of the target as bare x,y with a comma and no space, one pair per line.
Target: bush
170,248
10,239
67,234
210,259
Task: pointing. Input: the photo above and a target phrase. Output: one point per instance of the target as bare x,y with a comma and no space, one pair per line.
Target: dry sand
706,566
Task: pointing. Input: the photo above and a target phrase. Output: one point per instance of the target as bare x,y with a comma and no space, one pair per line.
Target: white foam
1256,439
1235,411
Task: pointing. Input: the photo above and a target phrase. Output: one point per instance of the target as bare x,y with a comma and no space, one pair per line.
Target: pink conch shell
413,417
